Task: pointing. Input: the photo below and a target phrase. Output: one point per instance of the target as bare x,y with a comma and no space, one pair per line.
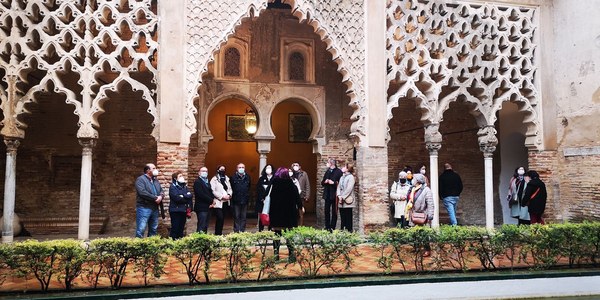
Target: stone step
61,225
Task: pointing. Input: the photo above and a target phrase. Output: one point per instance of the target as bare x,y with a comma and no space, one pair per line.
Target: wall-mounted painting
299,128
236,129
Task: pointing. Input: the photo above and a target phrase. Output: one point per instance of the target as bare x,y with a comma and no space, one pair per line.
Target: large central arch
339,23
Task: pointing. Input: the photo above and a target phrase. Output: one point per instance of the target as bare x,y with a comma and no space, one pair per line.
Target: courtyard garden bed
201,259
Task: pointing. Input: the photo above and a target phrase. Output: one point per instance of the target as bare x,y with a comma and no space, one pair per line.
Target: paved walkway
493,289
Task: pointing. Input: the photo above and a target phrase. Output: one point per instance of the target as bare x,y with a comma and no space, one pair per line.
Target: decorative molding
484,53
581,151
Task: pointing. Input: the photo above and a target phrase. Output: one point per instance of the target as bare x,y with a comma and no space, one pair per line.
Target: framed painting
299,128
236,129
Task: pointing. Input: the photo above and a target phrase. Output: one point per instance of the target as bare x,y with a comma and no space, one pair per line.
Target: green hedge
459,248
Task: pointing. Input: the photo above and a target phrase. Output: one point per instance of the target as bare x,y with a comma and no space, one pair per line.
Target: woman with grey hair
420,203
420,199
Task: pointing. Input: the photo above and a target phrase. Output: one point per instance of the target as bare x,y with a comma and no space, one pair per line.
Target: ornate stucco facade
486,85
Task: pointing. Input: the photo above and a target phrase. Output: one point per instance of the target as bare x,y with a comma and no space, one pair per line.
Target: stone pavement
489,289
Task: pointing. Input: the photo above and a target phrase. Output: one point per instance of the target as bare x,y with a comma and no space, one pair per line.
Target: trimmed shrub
316,249
197,252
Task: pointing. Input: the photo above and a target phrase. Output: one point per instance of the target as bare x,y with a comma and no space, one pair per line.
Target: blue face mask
204,175
241,171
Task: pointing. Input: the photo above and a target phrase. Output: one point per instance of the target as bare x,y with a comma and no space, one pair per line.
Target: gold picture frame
236,129
299,128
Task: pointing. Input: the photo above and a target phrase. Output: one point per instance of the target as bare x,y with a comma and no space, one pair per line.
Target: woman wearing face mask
262,190
398,195
221,188
423,171
420,200
345,196
180,201
516,189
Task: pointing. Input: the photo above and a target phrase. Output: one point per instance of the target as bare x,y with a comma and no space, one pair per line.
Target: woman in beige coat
345,197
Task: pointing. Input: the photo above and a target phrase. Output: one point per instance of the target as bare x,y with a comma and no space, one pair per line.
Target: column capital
433,138
487,140
12,144
88,144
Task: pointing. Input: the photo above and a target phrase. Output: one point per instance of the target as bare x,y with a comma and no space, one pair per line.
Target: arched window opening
296,67
232,62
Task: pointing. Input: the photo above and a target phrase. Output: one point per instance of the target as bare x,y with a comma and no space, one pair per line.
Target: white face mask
204,174
296,168
155,172
241,170
521,172
291,173
423,171
269,171
181,179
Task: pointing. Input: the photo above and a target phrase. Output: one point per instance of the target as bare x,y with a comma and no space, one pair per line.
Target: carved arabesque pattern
440,51
340,24
103,44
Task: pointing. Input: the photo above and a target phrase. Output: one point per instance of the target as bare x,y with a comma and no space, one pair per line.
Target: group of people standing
411,196
288,189
214,195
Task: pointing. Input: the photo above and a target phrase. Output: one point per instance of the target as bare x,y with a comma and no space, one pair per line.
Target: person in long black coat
262,189
285,202
534,197
204,199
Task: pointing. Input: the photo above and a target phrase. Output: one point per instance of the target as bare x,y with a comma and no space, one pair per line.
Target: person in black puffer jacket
534,197
180,201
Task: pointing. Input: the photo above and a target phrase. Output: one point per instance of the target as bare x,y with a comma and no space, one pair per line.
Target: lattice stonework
439,51
81,49
340,23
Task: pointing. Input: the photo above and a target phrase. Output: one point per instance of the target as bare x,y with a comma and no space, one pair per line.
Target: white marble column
433,142
85,190
263,147
487,145
489,189
9,188
434,181
262,161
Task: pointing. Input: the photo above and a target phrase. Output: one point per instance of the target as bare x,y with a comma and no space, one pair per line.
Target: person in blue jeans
450,188
149,196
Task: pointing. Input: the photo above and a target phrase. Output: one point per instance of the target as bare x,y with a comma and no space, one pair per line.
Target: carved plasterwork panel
104,44
339,23
439,51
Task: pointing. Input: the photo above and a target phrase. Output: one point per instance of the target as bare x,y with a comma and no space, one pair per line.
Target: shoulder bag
418,218
264,216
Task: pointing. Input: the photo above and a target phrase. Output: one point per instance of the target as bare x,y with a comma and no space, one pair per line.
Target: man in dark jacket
534,197
240,184
204,199
330,181
450,188
149,196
